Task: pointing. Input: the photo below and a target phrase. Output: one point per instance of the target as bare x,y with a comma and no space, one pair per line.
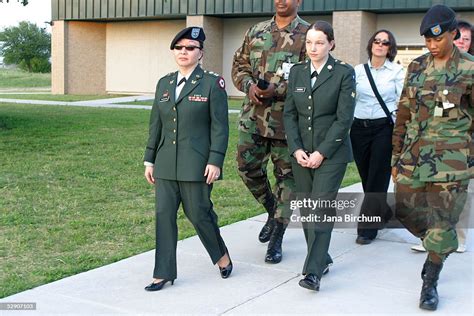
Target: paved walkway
34,90
101,103
382,278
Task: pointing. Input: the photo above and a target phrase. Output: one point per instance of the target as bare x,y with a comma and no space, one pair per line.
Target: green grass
60,97
235,104
147,102
15,78
73,195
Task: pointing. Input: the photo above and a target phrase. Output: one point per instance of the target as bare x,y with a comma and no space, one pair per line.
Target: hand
149,175
394,174
212,173
315,160
255,93
301,157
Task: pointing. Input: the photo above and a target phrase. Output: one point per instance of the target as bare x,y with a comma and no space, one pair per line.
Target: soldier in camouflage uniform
269,50
432,144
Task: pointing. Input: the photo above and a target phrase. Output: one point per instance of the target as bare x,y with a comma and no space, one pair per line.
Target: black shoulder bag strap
377,95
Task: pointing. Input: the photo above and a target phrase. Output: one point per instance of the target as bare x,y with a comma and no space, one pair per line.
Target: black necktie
314,74
181,81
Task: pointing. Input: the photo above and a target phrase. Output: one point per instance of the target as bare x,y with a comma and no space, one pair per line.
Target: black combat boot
267,229
274,252
423,271
429,295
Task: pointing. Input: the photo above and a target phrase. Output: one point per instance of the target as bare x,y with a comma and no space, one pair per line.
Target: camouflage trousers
430,211
253,153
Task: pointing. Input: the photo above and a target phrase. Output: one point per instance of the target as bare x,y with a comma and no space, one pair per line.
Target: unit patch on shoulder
221,82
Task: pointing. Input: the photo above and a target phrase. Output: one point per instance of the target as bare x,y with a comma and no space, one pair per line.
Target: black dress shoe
227,270
362,240
267,229
310,282
157,286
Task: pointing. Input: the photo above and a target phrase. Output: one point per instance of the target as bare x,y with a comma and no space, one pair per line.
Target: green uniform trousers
197,205
253,153
430,211
321,183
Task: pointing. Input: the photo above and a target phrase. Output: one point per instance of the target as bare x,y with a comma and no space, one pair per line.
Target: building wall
352,29
58,56
78,57
85,59
143,9
129,57
406,27
138,54
213,46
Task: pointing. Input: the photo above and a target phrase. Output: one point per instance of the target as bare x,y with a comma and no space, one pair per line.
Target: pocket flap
445,145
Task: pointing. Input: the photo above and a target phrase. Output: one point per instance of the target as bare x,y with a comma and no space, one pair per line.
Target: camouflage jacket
432,138
262,56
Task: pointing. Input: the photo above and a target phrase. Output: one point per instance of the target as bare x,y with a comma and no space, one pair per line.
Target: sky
37,11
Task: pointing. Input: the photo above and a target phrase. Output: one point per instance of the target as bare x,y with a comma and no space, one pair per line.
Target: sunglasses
383,42
188,48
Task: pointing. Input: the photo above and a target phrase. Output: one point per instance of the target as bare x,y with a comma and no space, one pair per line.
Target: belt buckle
365,123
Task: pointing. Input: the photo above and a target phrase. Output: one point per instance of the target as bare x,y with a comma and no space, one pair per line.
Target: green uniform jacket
319,118
191,132
432,138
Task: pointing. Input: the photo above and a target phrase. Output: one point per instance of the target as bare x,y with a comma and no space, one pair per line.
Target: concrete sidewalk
382,278
101,103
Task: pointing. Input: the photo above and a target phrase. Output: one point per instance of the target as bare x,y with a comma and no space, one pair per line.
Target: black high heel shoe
227,270
157,286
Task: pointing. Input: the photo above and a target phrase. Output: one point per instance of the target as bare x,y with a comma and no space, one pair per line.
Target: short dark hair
392,49
324,27
462,24
471,48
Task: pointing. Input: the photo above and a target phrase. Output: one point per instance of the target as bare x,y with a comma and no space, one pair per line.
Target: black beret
193,33
437,20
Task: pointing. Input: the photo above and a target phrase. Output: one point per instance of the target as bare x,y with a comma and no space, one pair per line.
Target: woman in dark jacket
318,114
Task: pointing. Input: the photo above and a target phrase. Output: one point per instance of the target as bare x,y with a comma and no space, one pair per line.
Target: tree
24,2
26,45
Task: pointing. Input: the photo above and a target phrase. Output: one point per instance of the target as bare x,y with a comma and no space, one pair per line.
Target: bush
41,65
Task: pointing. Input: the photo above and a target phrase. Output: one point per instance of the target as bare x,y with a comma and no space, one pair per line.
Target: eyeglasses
378,41
188,48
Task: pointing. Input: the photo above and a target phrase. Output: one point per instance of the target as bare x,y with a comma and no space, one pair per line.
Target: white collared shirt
180,87
389,81
313,80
